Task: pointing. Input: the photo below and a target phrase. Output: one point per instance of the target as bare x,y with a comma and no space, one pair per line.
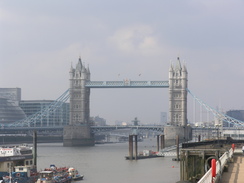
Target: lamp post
217,127
203,127
197,133
187,131
209,132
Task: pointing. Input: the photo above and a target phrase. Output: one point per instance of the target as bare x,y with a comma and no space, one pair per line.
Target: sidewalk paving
235,172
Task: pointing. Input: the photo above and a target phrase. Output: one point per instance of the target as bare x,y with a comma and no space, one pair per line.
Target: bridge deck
235,172
127,84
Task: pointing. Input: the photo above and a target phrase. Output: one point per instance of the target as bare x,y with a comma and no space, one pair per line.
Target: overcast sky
124,39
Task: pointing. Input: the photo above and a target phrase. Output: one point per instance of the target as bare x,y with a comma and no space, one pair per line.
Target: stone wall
170,132
78,136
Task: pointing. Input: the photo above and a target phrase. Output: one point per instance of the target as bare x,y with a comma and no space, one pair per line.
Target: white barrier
207,178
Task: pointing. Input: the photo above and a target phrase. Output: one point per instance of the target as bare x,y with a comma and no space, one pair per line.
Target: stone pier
170,132
131,155
75,135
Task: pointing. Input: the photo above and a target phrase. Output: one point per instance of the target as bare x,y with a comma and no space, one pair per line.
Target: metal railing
221,162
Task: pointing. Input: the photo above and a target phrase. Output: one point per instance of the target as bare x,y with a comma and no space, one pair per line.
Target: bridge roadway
94,129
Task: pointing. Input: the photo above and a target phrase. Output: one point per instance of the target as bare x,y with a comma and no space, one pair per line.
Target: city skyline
135,40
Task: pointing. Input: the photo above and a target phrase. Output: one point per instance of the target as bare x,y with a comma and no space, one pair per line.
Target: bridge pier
131,157
75,135
170,132
161,139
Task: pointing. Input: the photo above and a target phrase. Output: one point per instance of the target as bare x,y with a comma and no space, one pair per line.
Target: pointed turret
178,68
184,71
88,73
178,64
171,70
79,65
83,73
71,71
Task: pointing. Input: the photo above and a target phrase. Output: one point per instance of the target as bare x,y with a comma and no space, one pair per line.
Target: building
237,114
9,106
163,118
59,117
98,121
13,94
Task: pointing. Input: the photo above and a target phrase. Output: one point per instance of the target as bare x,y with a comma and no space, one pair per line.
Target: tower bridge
78,132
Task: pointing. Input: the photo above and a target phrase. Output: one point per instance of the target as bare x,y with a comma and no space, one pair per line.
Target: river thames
105,163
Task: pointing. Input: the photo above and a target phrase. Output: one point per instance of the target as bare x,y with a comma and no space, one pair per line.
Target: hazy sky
123,39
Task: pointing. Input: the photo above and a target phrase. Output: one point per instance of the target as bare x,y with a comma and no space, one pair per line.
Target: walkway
235,172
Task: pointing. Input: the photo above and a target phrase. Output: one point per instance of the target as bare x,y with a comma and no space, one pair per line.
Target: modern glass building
13,94
42,116
10,112
9,106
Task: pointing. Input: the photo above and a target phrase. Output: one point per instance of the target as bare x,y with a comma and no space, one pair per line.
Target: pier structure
197,165
133,138
161,141
235,171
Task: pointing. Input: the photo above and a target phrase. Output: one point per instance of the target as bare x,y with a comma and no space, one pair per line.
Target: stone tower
178,94
78,132
177,125
79,94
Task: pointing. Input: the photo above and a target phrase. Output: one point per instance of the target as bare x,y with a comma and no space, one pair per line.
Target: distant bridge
94,129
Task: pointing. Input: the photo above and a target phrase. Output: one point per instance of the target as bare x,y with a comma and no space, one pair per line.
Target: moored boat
59,175
75,174
16,166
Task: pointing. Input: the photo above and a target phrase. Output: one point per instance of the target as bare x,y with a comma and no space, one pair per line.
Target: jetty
214,161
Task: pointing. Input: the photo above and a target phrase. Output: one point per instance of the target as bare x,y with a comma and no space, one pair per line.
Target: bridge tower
78,132
178,80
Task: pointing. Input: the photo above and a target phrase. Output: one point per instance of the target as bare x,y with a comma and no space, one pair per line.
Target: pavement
235,172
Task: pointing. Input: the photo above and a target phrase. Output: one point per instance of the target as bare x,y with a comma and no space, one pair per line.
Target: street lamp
209,132
187,131
197,133
203,132
217,127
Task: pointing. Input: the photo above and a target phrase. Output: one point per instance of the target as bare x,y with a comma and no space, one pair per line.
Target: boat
75,174
45,177
24,149
59,175
17,165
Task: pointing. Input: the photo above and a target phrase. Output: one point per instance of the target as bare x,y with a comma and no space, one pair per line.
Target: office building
10,111
58,117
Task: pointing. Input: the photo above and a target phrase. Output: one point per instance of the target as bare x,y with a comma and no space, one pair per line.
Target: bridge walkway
235,172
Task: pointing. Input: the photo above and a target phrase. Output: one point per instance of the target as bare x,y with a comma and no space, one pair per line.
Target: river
105,163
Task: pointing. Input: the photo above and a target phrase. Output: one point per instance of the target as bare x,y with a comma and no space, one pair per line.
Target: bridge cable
216,113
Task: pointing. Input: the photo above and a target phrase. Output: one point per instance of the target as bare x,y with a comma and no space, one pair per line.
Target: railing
207,178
